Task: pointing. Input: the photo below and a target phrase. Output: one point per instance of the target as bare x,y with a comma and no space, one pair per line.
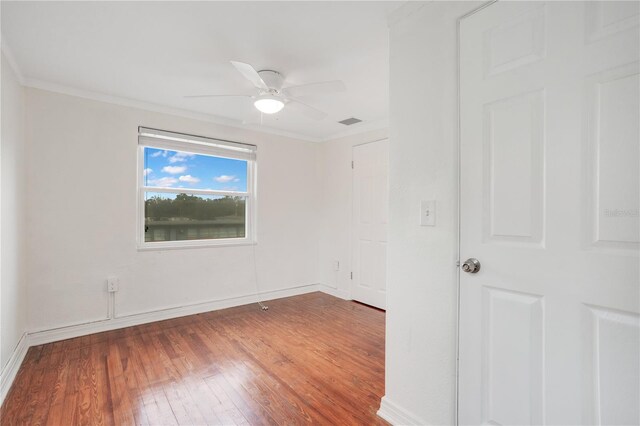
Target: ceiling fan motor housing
271,98
273,79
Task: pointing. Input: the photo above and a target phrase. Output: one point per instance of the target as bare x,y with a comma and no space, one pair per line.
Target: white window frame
199,145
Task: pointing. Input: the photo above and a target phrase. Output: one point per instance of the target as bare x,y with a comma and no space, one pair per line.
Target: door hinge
352,275
352,165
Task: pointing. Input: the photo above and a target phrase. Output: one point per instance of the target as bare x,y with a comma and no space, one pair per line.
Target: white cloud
147,171
188,179
159,153
225,179
180,156
174,170
163,181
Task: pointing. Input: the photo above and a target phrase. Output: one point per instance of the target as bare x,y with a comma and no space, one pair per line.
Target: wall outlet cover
113,284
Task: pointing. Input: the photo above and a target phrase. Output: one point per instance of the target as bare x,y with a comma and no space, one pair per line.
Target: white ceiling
157,52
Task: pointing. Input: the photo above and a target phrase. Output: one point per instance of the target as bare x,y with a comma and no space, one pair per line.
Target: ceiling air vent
350,121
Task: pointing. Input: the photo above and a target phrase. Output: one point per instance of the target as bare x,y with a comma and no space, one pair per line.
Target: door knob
471,265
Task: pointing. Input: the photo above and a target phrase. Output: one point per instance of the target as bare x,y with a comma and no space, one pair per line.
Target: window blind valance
195,144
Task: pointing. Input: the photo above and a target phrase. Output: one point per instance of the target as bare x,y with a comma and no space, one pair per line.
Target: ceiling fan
272,96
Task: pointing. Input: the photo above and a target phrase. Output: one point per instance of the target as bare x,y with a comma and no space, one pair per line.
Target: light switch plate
428,213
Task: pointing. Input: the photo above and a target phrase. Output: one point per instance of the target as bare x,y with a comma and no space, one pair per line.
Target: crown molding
11,59
163,109
179,112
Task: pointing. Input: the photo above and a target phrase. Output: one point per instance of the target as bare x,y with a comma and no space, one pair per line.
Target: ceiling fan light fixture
268,104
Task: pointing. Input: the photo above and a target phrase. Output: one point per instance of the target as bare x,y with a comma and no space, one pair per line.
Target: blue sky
177,169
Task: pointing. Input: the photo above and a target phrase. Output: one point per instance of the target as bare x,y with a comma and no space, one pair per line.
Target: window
194,191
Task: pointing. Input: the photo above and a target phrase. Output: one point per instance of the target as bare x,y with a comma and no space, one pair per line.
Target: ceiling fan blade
218,96
307,110
250,74
319,88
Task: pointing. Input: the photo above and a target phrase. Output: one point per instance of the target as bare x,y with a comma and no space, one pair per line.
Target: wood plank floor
308,359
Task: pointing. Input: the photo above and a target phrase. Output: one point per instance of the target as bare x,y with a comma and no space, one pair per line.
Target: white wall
13,296
82,216
422,289
336,202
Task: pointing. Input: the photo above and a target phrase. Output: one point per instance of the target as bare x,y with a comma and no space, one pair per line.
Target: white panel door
370,218
550,154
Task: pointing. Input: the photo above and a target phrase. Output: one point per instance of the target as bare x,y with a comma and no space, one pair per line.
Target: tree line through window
191,195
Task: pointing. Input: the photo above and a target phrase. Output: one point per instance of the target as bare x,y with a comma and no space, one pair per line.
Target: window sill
179,245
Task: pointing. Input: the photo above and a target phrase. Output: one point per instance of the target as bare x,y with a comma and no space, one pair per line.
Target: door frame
458,201
352,229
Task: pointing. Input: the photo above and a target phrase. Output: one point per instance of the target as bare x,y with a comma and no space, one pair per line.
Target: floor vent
350,121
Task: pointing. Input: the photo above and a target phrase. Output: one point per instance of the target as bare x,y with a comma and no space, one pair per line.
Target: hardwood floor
308,359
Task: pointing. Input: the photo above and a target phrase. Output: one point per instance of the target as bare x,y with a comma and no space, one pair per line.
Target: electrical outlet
336,265
113,284
428,213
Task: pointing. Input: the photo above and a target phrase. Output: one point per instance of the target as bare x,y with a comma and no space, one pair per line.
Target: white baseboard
342,294
396,415
53,335
10,370
41,337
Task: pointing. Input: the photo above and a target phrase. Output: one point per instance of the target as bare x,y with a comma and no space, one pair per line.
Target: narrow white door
550,153
370,217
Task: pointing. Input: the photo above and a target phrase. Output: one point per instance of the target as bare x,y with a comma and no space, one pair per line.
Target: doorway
370,219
